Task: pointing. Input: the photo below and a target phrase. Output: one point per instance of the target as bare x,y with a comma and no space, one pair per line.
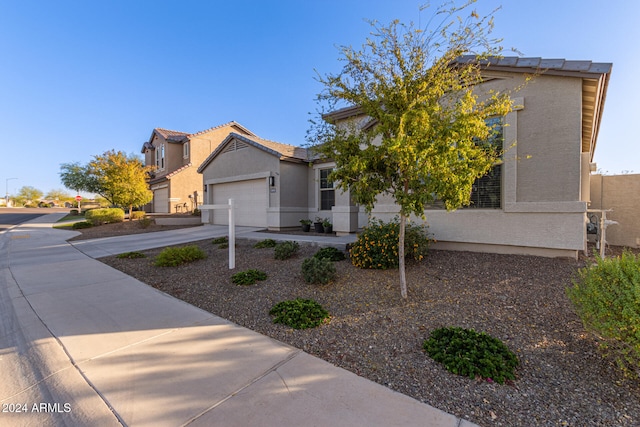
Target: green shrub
266,243
172,257
104,215
137,214
74,212
145,222
377,245
318,270
81,224
285,250
249,277
131,255
331,254
299,313
606,296
220,240
471,353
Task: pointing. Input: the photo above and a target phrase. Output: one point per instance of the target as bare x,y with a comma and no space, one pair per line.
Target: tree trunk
130,212
403,276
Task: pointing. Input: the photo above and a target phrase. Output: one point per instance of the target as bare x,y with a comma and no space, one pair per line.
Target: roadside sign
78,197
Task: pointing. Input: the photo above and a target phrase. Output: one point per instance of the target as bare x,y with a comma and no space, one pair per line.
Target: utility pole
6,192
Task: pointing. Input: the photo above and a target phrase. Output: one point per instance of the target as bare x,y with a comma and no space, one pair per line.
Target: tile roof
174,136
544,65
282,151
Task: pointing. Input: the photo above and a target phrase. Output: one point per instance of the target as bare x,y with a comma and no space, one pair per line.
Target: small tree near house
119,178
424,122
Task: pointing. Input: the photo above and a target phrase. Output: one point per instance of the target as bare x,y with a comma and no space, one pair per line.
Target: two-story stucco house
534,203
175,157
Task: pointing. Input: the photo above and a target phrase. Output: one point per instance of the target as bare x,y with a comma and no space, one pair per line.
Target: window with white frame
185,150
327,193
160,157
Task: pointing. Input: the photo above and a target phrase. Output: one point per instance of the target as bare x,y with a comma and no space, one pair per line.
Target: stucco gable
174,136
595,81
282,151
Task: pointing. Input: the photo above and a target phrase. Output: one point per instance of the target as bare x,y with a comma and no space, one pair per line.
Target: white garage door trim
251,198
161,200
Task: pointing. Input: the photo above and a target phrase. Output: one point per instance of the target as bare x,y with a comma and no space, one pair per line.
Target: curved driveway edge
94,346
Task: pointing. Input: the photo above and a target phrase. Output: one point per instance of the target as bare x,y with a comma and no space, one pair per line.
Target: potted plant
318,225
306,224
328,227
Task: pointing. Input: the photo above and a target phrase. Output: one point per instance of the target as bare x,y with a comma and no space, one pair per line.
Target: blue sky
78,78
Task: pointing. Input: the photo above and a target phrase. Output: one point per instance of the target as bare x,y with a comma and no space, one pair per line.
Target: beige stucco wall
621,195
185,182
287,197
543,210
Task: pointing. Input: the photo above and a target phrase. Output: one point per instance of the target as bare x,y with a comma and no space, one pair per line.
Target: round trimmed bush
285,250
330,253
470,353
318,270
173,257
249,277
377,245
299,313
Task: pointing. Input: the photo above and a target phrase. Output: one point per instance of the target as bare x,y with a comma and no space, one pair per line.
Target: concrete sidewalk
84,344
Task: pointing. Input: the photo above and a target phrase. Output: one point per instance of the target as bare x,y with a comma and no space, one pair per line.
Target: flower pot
318,227
306,227
328,229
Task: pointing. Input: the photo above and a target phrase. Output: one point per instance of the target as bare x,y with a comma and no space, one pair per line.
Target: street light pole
6,193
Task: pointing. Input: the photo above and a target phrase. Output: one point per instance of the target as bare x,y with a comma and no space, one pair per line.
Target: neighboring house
534,203
175,157
619,196
266,179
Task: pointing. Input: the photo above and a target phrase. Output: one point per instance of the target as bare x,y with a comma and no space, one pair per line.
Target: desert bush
470,353
172,257
285,250
248,277
318,270
299,313
81,224
220,240
145,222
330,253
266,243
137,214
377,245
104,215
131,255
74,212
606,296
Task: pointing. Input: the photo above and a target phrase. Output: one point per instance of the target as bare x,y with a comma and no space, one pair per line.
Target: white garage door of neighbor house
161,200
250,200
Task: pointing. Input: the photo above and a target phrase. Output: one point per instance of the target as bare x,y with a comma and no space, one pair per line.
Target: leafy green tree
120,179
424,115
76,177
28,195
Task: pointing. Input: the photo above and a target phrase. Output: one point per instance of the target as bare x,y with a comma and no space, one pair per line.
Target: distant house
175,157
534,203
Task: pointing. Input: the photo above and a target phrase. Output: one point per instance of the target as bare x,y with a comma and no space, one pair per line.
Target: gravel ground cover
562,379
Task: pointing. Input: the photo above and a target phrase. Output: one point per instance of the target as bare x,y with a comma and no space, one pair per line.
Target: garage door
250,199
161,200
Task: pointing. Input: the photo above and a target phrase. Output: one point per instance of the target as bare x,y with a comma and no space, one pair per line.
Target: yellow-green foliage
607,299
137,214
104,216
377,245
172,257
